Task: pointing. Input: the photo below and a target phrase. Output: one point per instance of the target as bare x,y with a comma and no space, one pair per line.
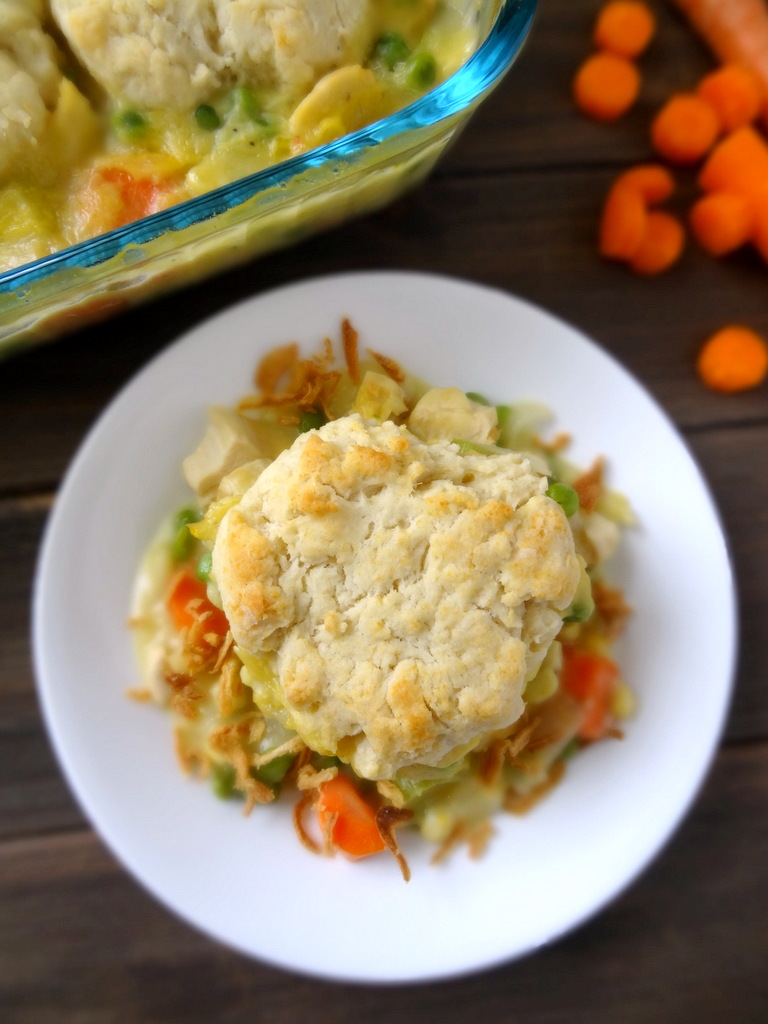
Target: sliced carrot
188,601
733,359
625,27
352,821
685,129
661,246
606,86
623,223
653,182
591,679
735,93
738,163
722,222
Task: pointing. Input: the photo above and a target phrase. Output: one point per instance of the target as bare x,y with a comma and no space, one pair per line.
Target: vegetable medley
232,723
109,112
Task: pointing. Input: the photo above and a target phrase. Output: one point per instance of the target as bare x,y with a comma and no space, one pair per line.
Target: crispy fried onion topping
232,741
590,485
283,379
521,803
611,607
387,820
476,837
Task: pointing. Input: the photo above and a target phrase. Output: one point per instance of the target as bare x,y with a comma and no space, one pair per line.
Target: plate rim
90,443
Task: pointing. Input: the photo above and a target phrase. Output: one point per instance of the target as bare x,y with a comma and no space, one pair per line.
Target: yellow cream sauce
99,165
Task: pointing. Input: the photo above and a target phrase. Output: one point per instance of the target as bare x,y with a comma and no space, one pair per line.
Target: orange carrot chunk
722,222
591,679
735,358
188,601
661,246
653,182
625,27
623,223
738,163
735,93
352,821
685,129
606,86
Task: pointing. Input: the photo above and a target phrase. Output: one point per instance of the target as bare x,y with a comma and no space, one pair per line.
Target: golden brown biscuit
402,592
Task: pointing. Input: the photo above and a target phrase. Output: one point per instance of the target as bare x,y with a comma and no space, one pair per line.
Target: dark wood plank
531,120
672,947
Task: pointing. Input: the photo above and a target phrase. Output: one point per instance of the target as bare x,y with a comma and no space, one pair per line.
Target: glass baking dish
273,208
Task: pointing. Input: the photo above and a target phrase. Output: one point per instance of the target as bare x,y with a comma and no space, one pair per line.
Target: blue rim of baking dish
484,69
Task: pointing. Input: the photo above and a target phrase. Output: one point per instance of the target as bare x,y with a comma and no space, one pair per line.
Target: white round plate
247,881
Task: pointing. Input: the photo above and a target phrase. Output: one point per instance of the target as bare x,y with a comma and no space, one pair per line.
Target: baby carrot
624,27
735,93
623,223
661,245
653,182
738,163
606,86
735,358
685,128
722,222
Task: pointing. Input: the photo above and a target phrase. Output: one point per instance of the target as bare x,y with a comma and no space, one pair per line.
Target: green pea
204,565
565,496
391,49
421,70
273,772
223,778
245,103
182,540
572,747
311,420
130,123
207,118
503,415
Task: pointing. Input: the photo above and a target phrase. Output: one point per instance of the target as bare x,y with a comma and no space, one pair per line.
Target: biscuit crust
402,592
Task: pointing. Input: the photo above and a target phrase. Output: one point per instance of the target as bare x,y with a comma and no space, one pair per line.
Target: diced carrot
735,358
662,244
736,31
722,222
138,196
735,93
654,182
591,679
685,129
606,86
623,223
738,163
352,821
188,600
625,27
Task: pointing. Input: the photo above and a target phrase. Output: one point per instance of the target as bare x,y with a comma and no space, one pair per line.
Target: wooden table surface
514,205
